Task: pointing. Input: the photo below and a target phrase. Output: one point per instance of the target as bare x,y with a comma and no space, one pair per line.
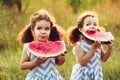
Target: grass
12,22
10,65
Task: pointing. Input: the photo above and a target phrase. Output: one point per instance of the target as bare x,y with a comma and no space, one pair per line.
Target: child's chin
41,40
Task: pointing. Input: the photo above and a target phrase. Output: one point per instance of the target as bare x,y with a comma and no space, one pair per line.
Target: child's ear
80,29
33,33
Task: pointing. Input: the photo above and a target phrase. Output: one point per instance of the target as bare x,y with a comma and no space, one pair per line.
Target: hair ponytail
25,35
74,35
56,33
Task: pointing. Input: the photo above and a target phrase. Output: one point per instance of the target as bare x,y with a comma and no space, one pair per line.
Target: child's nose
43,31
93,26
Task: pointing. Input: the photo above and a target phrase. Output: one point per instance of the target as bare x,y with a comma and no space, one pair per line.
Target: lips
92,30
43,37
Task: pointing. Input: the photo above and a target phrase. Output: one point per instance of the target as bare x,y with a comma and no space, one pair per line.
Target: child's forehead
42,23
90,19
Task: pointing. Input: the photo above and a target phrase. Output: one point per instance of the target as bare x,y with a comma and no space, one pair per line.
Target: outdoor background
15,14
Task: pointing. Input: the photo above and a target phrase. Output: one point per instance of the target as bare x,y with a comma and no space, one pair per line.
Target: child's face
41,31
90,24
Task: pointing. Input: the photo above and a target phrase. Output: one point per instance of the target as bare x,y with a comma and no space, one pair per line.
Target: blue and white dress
93,70
44,71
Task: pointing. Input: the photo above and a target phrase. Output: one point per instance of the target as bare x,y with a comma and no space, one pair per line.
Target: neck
41,41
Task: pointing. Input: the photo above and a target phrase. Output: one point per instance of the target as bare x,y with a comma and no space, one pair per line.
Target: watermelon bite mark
104,37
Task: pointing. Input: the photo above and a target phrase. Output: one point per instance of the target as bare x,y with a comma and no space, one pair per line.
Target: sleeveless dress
44,71
92,70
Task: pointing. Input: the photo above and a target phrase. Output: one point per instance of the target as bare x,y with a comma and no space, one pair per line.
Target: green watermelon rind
92,40
49,56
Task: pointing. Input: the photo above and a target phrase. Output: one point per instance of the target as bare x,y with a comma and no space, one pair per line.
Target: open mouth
92,30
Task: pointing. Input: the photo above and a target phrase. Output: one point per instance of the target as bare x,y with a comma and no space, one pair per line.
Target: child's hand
59,60
96,44
62,55
111,44
40,60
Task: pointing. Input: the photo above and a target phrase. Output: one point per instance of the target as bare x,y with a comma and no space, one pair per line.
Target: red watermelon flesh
49,49
104,37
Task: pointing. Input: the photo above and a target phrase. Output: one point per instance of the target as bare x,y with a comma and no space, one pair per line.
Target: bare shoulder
77,47
24,56
78,50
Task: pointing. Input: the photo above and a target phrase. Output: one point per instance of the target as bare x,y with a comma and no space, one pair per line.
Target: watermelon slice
49,49
104,37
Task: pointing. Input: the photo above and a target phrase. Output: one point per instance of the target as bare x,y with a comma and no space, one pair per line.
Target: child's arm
25,62
59,60
84,59
105,55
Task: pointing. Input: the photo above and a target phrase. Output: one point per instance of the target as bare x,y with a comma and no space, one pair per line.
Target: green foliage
9,27
11,3
9,69
75,4
79,5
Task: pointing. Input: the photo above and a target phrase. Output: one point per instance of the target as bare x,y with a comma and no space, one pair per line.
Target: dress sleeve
80,44
25,47
73,51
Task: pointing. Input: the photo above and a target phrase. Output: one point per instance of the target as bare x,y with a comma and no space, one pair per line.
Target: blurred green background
15,14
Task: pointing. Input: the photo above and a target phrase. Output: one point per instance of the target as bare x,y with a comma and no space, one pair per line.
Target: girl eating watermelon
88,54
41,29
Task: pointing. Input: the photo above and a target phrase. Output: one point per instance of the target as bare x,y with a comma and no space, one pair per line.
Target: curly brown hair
26,34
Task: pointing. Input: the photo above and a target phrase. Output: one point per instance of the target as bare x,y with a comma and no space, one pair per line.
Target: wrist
93,48
35,62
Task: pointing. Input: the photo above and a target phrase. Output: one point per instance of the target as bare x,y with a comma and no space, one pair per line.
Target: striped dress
44,71
93,70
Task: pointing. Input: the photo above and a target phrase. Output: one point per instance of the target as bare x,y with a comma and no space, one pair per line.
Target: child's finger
111,43
98,41
65,52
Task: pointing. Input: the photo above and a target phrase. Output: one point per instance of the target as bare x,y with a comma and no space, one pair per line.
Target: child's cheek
37,32
85,28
